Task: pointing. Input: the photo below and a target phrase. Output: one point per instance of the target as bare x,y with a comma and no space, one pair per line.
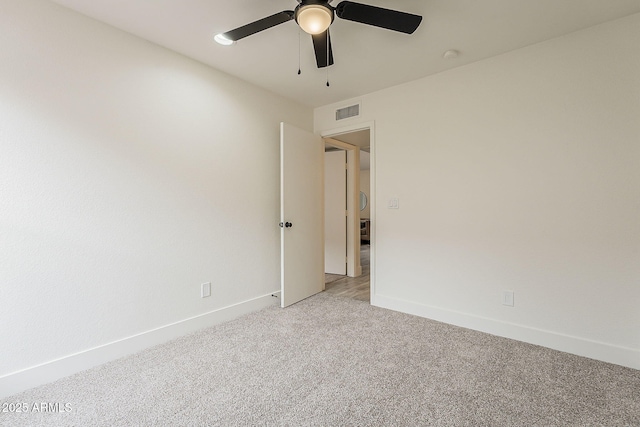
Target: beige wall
522,173
129,175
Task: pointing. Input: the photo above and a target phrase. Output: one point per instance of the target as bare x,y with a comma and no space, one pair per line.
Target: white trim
624,356
34,376
329,133
353,183
372,213
354,269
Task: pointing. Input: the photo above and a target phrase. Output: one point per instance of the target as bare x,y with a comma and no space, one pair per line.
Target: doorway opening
357,143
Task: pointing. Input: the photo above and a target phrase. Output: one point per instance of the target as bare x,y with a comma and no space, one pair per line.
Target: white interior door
301,214
335,212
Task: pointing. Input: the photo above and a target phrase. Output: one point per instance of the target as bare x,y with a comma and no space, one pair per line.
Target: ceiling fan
315,17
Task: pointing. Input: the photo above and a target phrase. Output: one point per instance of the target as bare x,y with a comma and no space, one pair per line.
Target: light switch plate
507,298
394,203
205,290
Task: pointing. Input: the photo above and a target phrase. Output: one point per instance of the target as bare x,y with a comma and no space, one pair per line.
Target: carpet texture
331,361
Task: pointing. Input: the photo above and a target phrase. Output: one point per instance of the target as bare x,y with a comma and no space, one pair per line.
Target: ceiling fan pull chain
299,48
327,67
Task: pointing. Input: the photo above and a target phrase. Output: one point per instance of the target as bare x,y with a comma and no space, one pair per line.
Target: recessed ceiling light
220,38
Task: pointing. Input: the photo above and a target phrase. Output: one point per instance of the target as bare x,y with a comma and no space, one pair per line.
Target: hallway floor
352,287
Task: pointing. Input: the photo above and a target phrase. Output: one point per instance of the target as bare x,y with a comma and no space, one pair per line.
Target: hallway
352,287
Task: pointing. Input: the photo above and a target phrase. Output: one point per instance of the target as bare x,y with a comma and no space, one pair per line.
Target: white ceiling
366,58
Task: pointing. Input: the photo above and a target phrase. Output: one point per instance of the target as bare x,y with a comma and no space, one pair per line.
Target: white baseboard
624,356
34,376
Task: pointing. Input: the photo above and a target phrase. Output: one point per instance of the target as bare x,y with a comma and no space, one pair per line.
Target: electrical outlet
205,290
507,298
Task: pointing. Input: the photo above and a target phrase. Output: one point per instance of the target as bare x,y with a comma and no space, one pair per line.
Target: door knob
286,224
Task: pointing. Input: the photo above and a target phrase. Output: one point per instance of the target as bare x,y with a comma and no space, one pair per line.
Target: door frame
354,269
339,162
353,190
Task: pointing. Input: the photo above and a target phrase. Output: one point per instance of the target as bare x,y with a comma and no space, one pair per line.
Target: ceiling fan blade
379,17
322,42
259,25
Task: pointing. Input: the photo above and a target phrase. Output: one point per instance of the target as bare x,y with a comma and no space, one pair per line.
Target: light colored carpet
331,361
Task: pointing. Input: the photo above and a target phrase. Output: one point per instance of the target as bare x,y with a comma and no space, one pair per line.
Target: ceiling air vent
346,112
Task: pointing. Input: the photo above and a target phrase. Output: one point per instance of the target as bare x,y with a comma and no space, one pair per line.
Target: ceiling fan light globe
314,19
